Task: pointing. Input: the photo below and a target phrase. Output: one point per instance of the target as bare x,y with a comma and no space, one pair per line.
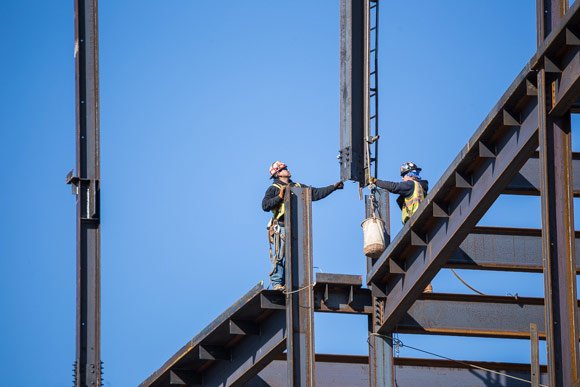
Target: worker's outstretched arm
404,188
321,193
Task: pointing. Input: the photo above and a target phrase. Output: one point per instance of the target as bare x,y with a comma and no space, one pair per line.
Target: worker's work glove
339,185
282,191
372,180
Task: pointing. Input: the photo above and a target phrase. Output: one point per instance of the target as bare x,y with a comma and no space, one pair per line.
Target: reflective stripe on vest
413,201
282,209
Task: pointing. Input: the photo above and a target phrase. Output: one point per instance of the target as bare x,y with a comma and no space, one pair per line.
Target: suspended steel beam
352,90
527,181
85,184
353,371
299,305
557,90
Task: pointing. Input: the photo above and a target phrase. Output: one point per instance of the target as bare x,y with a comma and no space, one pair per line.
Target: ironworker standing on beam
274,201
412,190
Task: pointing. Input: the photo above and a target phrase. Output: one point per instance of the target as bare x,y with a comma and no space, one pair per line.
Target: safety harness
273,228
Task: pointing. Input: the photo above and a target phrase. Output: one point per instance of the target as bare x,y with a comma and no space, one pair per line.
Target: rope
299,290
399,343
466,284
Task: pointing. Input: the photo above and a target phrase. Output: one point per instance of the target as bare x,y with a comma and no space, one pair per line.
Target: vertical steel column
381,364
86,187
352,90
535,358
557,218
300,303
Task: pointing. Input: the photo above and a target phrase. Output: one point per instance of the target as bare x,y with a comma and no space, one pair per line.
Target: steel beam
501,248
474,315
558,90
464,193
352,371
86,187
299,307
233,348
352,90
447,314
251,355
527,181
535,356
341,298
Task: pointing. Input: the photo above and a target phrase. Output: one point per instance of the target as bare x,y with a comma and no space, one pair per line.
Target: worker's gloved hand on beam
372,180
282,191
339,185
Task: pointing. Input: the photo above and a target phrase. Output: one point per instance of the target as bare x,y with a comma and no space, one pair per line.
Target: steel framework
245,345
85,185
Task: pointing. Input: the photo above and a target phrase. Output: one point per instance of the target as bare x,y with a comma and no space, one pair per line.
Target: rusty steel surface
558,88
464,193
482,170
352,95
535,356
234,347
88,365
527,180
353,371
473,315
299,284
503,248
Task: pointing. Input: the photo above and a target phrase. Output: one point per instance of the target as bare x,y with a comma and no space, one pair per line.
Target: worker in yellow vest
412,190
274,201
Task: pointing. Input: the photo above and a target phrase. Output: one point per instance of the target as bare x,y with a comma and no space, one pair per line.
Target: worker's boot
428,289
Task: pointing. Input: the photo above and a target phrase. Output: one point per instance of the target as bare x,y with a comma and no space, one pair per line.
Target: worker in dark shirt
274,201
412,190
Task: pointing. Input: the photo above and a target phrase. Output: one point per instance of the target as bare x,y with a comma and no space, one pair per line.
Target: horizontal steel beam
474,315
500,248
446,314
341,298
527,181
353,371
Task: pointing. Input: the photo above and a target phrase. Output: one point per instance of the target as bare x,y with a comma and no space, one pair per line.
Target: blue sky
197,99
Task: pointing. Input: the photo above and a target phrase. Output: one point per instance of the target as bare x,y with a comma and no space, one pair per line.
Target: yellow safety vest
282,209
412,202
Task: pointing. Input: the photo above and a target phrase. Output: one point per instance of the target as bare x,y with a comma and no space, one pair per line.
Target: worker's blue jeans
277,276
